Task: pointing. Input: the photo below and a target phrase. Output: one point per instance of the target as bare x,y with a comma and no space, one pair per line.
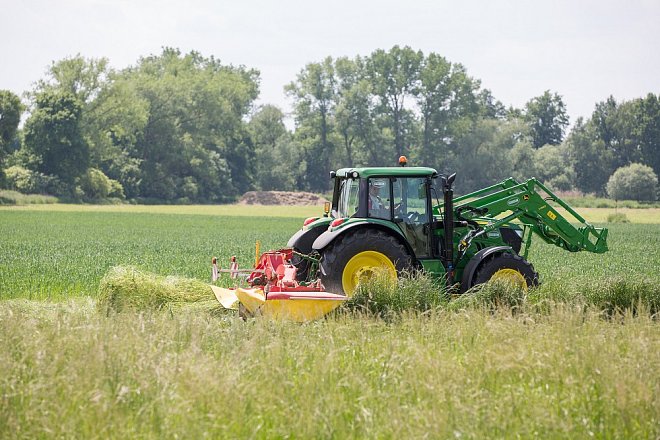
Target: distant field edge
595,215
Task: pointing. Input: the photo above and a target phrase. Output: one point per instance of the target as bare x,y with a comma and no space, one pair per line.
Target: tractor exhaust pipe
447,256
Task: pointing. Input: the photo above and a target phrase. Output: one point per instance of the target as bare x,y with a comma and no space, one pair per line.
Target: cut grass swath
128,288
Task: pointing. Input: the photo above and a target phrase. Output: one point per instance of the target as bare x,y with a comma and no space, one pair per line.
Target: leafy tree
314,93
113,114
590,157
394,76
53,133
275,167
194,145
546,115
446,95
648,130
633,182
485,152
10,116
553,167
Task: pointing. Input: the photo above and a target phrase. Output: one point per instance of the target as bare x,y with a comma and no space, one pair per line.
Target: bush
30,182
633,182
97,186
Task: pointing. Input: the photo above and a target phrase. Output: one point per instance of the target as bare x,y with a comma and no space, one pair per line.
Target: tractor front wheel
357,255
508,268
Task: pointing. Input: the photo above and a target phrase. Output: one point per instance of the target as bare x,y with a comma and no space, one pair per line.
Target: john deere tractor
400,218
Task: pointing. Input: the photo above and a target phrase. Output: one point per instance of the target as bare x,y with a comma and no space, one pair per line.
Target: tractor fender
329,236
475,262
304,238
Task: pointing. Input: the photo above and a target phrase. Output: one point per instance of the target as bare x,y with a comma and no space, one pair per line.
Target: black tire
506,260
301,265
335,257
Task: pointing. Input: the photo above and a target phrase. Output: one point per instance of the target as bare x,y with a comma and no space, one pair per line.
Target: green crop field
565,370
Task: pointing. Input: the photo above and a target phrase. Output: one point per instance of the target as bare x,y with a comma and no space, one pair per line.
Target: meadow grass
576,358
74,373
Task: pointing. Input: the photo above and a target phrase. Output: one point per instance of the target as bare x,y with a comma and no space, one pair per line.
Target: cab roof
387,171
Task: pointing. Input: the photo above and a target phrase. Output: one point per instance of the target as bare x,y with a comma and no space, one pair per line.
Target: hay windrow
128,288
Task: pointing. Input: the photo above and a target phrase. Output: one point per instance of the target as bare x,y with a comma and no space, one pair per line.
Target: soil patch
281,198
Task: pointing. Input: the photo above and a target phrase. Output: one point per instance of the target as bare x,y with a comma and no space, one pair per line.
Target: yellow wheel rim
510,276
363,266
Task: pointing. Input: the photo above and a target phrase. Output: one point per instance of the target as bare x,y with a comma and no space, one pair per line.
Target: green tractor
403,218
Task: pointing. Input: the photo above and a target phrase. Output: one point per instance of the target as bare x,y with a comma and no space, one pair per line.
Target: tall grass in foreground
419,293
69,371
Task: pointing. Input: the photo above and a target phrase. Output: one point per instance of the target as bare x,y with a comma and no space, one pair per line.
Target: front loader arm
510,200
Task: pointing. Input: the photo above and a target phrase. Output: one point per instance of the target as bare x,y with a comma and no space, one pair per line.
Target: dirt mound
280,198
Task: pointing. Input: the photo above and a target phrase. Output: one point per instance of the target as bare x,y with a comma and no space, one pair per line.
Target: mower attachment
275,293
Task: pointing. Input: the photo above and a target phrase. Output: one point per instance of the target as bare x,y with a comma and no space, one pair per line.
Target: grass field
566,372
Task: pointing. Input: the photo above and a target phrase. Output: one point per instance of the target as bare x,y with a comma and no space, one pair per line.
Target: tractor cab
388,197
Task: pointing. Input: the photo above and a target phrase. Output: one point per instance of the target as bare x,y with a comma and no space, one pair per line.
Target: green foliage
98,186
547,117
53,133
10,116
30,182
552,166
617,135
633,182
275,161
314,99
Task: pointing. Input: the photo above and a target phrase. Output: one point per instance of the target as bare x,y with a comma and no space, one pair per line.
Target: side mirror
332,174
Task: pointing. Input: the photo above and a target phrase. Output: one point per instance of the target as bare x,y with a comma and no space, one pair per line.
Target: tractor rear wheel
509,268
357,255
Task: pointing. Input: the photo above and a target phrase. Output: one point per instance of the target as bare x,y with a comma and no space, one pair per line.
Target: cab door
411,212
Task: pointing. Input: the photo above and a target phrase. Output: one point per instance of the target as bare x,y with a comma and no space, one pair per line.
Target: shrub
30,182
96,185
633,182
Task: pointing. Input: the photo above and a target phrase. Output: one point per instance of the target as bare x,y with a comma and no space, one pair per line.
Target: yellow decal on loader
552,215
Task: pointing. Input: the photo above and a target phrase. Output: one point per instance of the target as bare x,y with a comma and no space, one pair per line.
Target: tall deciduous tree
195,144
53,133
546,115
276,165
10,116
445,96
314,95
394,76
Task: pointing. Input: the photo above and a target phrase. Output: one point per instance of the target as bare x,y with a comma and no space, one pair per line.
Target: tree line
184,128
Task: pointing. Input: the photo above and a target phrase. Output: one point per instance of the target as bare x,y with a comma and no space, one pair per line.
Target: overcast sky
583,50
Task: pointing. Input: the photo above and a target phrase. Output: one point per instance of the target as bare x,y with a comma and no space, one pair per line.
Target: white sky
584,50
